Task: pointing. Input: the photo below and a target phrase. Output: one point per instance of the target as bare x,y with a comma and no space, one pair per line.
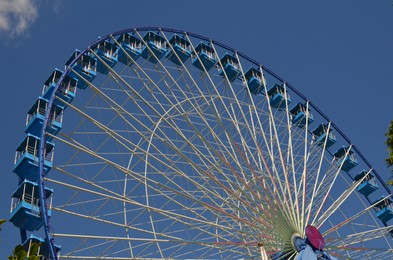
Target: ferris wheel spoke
352,218
111,239
259,162
270,193
361,237
277,219
326,185
212,131
242,113
303,182
212,83
212,177
158,88
339,201
360,252
317,177
171,215
242,153
287,191
246,159
249,126
291,162
125,211
85,246
277,196
97,219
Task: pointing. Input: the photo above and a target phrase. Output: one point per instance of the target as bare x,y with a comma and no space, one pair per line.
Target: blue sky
337,53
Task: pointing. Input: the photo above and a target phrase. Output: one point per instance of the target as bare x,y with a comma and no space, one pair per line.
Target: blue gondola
204,57
108,53
181,50
36,115
50,83
65,92
25,209
368,185
384,209
277,97
155,48
301,115
131,48
26,158
345,157
230,67
322,135
254,81
85,66
43,249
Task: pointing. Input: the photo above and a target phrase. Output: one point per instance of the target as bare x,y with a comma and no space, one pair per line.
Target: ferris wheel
158,143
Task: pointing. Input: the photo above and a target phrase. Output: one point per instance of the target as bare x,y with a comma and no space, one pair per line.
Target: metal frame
285,188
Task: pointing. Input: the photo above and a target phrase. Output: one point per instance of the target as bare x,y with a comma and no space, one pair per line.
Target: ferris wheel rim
142,29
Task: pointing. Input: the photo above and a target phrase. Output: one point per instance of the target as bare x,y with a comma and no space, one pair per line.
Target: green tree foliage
20,253
389,143
2,221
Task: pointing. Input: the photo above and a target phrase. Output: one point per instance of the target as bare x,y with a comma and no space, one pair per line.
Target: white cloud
17,15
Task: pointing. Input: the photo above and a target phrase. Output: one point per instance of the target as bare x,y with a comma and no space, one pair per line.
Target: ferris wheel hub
298,242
